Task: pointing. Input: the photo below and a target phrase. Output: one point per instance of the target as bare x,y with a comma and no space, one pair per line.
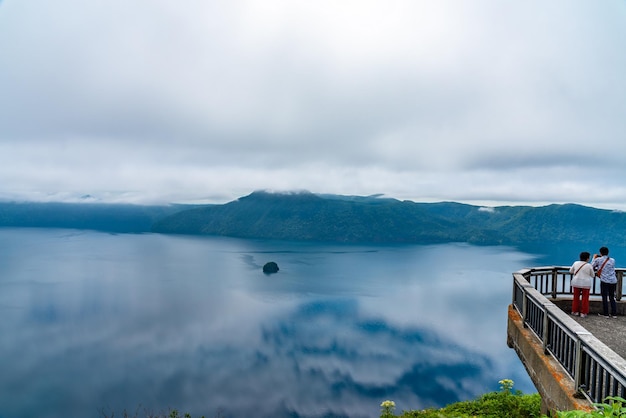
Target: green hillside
306,216
102,217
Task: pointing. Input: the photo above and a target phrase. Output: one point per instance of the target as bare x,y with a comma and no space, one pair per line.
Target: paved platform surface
611,331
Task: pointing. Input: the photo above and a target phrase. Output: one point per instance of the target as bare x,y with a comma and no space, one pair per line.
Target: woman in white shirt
581,284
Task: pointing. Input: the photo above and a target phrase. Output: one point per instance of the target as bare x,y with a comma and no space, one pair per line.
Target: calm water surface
93,324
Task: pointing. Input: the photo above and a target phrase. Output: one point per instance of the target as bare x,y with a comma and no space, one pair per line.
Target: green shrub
613,406
503,404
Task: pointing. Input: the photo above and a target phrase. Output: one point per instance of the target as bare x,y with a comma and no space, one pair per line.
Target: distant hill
305,216
354,219
102,217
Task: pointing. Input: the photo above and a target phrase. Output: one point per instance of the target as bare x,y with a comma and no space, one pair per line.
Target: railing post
578,361
525,309
514,291
554,282
525,302
620,279
544,337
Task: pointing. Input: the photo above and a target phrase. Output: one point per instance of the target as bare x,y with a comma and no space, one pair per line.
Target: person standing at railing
582,279
604,266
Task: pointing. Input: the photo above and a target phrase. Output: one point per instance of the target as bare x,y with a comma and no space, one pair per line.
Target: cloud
418,100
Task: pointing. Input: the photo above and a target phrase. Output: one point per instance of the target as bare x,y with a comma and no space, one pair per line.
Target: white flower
506,384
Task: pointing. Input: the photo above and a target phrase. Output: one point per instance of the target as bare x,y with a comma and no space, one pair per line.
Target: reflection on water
93,323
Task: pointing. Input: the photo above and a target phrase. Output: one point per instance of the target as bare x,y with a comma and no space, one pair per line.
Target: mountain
305,216
355,219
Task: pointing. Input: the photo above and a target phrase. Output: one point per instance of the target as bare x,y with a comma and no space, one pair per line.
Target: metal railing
597,371
555,281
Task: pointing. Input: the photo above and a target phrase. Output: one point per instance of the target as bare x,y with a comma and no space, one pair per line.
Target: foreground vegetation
506,403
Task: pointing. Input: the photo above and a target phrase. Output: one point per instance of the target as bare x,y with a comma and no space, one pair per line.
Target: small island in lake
270,267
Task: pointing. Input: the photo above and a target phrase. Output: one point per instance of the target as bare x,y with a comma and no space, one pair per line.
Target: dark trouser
608,293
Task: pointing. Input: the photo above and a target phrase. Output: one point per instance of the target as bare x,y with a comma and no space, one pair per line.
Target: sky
486,102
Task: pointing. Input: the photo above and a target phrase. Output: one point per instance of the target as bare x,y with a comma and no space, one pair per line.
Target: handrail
597,371
555,281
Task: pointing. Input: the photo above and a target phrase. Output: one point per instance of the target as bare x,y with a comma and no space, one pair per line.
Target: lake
93,324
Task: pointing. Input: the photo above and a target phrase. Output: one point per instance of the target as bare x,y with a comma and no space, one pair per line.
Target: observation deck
573,362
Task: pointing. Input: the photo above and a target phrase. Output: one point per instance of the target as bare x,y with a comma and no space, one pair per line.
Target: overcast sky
477,101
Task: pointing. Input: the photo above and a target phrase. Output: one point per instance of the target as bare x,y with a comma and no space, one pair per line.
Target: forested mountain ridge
102,217
305,216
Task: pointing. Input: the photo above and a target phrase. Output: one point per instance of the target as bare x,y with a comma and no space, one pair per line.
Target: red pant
577,304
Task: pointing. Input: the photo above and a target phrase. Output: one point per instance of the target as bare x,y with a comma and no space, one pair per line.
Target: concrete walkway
611,331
